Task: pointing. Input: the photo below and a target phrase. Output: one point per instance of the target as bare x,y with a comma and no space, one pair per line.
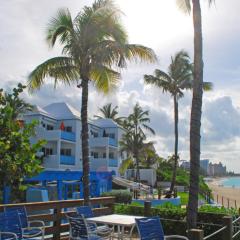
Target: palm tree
108,112
178,78
196,111
132,141
94,46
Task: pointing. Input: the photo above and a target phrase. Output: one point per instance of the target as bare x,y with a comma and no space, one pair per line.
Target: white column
58,151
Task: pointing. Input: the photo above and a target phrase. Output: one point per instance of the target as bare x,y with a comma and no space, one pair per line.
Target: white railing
51,161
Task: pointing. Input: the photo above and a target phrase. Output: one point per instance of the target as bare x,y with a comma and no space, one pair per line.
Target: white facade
60,126
147,175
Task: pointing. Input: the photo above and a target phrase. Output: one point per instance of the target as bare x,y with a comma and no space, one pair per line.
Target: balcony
113,163
103,142
54,135
67,160
51,162
68,136
112,142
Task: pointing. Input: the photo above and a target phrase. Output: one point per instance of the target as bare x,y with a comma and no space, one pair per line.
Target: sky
157,24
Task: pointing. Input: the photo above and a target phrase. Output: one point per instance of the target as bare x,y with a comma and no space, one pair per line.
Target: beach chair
29,228
151,229
10,226
103,230
79,228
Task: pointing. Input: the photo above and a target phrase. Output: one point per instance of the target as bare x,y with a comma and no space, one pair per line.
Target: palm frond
184,5
105,79
60,26
139,52
149,129
125,165
59,68
207,86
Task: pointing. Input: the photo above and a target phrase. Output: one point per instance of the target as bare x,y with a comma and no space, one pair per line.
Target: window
68,129
95,134
111,135
66,152
49,127
111,155
47,151
95,155
104,155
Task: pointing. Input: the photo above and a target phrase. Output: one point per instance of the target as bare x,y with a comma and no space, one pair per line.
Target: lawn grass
184,197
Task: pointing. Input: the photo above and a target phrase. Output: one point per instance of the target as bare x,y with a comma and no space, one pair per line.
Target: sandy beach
226,196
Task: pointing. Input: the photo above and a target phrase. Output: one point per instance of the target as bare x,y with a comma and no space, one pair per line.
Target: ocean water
231,182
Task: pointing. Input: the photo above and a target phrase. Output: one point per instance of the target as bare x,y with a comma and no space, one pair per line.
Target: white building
60,126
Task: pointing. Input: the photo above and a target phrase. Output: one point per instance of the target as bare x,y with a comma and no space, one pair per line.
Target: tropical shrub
18,158
173,218
121,196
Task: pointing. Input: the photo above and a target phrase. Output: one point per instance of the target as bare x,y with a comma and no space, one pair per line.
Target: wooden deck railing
58,210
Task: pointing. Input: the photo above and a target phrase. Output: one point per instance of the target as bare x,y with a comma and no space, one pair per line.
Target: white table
121,221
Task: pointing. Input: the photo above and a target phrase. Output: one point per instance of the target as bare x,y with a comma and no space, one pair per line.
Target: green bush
173,217
218,210
122,196
166,211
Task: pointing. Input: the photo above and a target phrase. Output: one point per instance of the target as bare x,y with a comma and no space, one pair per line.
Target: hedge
170,213
121,196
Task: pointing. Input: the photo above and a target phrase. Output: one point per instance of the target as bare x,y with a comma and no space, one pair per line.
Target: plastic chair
103,230
10,226
28,230
79,228
151,229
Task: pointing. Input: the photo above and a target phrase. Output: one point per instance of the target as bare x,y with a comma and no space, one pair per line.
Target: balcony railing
112,142
51,161
67,160
103,142
68,136
54,135
113,163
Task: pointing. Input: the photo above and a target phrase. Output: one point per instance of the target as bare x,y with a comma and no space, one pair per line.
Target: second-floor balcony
68,136
103,142
57,134
67,160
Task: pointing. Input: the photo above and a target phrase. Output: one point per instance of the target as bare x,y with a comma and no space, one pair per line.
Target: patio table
120,221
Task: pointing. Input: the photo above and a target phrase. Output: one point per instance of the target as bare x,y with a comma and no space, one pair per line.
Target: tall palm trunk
196,112
137,166
85,137
137,176
176,144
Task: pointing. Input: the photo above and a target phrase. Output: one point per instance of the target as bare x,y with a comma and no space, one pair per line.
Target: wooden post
147,208
57,222
195,234
236,204
228,202
222,200
228,232
217,198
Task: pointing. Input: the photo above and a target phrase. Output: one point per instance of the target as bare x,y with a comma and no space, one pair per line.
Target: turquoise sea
231,182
